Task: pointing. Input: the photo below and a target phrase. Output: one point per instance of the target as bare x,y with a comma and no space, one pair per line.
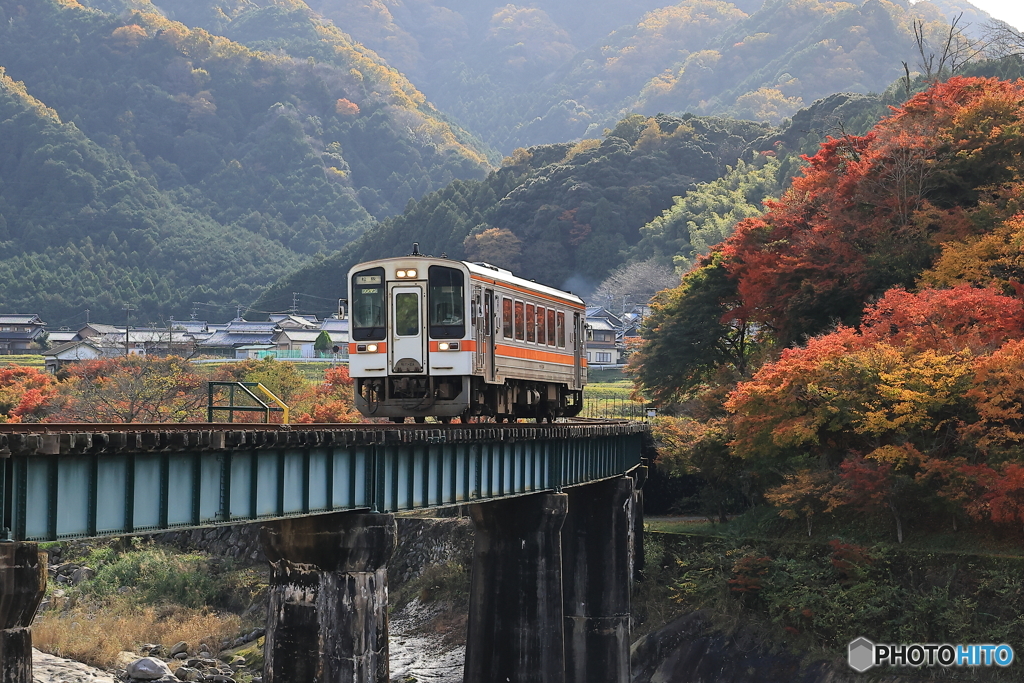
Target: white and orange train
443,338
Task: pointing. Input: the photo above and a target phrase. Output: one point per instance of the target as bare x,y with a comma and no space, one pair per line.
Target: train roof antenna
415,249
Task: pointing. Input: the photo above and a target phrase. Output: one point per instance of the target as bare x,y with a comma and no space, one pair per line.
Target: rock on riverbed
49,669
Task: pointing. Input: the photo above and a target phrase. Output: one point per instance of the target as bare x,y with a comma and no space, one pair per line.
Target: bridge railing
66,481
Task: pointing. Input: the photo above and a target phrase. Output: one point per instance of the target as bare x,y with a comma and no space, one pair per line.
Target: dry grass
96,635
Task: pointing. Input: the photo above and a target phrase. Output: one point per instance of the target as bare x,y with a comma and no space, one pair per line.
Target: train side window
551,327
447,302
520,320
541,334
531,323
506,317
560,329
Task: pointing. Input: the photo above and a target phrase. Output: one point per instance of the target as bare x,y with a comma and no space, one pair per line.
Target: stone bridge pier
549,601
327,619
552,574
22,584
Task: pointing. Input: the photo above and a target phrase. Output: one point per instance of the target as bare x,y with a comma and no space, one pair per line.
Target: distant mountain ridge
519,75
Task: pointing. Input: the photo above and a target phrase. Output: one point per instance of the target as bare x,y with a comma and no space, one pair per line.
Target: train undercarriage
464,397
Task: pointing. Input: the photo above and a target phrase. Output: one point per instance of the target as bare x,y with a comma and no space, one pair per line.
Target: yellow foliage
767,104
983,260
651,138
520,157
580,147
19,89
130,36
912,389
336,174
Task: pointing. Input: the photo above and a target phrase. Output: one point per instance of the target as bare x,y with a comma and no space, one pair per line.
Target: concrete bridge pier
597,560
22,584
515,626
327,620
636,545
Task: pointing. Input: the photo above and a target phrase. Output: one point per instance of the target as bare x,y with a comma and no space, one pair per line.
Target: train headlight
371,348
448,346
407,274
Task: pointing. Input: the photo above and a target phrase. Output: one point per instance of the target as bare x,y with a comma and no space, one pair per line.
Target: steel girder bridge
60,481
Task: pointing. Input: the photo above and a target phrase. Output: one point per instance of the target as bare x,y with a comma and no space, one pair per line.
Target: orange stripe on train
534,354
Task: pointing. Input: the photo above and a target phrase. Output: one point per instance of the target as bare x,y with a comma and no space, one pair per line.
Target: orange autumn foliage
871,212
346,107
25,394
332,400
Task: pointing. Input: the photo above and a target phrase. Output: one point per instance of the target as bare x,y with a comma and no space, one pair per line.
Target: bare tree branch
1003,40
958,49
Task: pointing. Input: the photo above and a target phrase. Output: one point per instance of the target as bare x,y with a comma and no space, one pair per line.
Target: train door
479,330
490,368
407,345
577,347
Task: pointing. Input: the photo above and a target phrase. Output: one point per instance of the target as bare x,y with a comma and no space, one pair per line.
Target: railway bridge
556,510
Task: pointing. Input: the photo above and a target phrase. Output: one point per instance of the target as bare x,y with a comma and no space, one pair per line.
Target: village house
604,343
238,332
20,333
56,358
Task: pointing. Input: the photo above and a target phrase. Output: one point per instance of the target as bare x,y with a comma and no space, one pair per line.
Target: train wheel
445,420
419,419
397,420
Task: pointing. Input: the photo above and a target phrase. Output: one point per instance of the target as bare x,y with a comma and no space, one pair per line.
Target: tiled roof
232,338
18,336
20,319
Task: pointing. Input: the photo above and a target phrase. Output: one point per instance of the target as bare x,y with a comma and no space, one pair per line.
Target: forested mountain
562,214
303,153
80,229
522,75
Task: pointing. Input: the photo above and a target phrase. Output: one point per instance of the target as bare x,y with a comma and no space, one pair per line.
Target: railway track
85,427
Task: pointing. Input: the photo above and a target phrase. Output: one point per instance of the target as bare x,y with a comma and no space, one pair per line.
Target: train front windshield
368,290
447,303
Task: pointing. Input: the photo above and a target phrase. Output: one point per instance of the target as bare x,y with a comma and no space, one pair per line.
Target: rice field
30,360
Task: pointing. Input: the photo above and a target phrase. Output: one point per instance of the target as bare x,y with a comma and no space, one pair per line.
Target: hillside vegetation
857,349
272,158
565,215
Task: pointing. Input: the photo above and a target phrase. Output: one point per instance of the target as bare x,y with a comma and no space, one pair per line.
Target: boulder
148,669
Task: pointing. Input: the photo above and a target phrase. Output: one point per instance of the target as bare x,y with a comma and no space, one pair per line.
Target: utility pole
295,303
128,308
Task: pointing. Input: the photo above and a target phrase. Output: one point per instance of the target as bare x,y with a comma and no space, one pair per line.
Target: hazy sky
1010,11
